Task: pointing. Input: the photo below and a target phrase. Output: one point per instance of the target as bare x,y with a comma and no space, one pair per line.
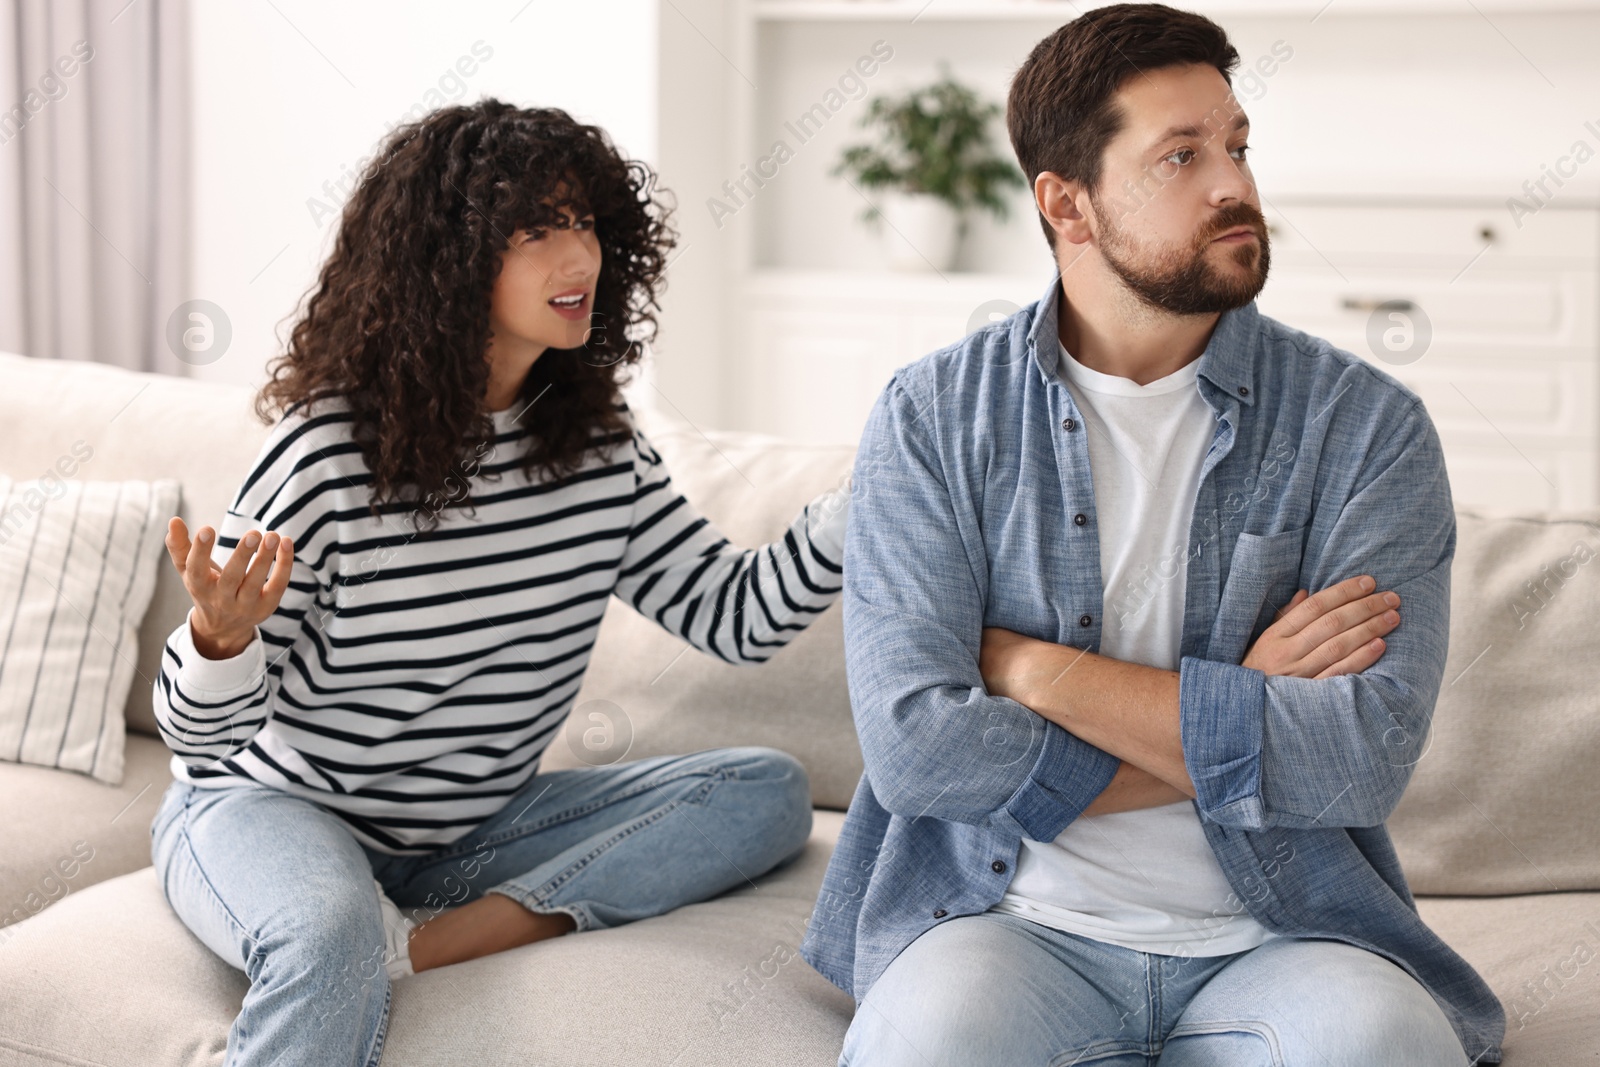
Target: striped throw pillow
78,566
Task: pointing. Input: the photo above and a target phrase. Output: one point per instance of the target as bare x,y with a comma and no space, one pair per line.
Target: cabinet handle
1372,303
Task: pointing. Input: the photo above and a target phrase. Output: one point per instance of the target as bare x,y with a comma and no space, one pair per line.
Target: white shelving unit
806,324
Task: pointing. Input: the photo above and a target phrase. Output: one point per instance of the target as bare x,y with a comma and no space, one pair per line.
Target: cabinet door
1531,311
1496,328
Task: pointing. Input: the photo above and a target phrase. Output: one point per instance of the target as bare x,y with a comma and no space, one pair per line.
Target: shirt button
1080,518
939,913
1244,390
1085,620
1068,424
998,866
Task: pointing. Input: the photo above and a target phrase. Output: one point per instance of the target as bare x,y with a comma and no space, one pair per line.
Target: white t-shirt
1147,879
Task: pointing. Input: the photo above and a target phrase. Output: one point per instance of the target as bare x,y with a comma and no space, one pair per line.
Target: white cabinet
1496,326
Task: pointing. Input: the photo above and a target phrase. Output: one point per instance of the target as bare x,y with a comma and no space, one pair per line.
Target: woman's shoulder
646,426
309,425
625,436
316,413
311,440
625,412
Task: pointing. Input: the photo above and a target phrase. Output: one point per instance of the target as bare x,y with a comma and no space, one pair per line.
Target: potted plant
934,165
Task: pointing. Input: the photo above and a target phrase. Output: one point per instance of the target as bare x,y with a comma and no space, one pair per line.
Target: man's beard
1183,282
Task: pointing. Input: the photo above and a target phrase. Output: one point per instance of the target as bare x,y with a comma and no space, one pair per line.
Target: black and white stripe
409,682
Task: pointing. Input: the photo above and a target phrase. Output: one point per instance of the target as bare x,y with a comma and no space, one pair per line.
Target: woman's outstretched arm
740,605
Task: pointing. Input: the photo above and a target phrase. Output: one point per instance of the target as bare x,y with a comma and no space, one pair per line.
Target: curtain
94,166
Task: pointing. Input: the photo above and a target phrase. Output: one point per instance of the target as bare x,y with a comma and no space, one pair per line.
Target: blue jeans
278,887
995,988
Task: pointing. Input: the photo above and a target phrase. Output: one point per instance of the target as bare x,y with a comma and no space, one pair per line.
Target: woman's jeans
278,887
997,989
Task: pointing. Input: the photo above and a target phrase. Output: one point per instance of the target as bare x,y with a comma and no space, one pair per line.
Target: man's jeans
997,989
278,886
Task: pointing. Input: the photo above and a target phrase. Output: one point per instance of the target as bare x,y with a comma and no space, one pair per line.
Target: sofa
1499,832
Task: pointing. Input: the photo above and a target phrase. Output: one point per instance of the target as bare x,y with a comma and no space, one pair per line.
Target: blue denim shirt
972,506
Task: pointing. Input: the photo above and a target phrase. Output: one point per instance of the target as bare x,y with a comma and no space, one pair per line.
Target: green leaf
933,140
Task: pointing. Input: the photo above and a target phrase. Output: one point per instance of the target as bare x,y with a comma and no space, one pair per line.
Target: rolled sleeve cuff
1065,779
218,676
1220,713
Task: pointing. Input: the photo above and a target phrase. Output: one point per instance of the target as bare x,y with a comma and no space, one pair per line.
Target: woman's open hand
232,600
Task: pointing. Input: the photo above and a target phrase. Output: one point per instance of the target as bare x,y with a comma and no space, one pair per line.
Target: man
1118,808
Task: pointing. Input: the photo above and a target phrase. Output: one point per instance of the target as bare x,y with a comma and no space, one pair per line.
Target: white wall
293,94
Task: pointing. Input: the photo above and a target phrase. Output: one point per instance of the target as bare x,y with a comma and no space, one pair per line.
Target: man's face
1182,149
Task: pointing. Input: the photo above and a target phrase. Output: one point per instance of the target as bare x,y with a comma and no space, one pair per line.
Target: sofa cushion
1505,798
1541,956
719,982
67,831
677,699
713,983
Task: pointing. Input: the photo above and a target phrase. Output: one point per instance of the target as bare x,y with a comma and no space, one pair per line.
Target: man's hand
229,601
1338,631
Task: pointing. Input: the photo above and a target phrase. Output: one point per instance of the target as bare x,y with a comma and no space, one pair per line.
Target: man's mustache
1239,215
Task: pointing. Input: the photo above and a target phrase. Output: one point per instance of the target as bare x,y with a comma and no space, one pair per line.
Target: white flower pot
921,232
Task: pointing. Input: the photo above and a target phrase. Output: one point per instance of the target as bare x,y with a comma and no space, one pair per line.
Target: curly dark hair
397,324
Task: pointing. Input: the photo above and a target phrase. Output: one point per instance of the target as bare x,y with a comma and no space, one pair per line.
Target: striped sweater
409,682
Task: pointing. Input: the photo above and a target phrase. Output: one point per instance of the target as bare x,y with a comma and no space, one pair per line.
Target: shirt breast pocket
1262,578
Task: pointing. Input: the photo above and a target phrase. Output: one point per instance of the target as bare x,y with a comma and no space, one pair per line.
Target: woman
393,618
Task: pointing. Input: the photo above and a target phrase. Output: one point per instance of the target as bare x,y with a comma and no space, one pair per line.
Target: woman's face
544,294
